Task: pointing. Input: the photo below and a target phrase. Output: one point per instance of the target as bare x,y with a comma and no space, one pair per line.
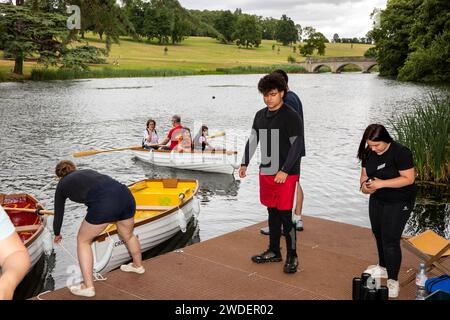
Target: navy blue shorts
109,202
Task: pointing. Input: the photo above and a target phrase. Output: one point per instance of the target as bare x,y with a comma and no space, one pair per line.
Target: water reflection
43,122
432,211
210,184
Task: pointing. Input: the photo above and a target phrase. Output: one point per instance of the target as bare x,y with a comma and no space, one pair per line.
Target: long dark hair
374,132
198,135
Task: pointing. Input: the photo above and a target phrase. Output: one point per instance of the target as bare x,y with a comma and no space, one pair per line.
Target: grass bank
195,55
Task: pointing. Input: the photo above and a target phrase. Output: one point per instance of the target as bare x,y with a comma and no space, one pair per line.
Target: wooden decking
330,254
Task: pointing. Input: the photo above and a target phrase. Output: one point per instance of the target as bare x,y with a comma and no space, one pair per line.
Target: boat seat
32,227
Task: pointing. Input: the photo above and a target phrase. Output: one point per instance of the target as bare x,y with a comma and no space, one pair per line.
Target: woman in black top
107,201
388,175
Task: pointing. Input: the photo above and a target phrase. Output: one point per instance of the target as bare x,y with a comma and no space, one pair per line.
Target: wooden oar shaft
93,152
29,210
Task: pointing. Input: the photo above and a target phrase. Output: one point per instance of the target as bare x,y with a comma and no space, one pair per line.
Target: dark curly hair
270,82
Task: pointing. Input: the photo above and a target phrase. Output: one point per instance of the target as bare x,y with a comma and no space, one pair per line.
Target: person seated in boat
150,139
201,141
14,258
173,135
107,201
185,141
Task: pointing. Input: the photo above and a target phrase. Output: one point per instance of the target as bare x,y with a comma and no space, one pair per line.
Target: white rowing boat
208,161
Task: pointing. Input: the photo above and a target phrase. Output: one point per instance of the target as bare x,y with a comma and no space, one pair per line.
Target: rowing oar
218,134
93,152
38,211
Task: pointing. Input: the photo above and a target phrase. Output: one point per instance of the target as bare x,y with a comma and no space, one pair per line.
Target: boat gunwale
41,224
228,152
103,235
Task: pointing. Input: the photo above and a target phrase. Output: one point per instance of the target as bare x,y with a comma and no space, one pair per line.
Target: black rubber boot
267,256
291,264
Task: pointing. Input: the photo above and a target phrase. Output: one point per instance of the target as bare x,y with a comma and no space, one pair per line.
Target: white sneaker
131,268
83,292
376,271
393,288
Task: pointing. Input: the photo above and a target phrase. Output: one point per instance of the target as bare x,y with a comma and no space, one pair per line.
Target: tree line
412,40
37,28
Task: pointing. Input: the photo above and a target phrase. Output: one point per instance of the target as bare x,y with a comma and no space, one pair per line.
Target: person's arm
60,201
250,149
14,262
295,129
362,182
251,145
407,177
167,139
164,142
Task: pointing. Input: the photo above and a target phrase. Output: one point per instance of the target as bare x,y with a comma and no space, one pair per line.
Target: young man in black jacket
279,129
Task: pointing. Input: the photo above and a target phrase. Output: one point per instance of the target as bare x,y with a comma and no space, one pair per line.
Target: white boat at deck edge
220,161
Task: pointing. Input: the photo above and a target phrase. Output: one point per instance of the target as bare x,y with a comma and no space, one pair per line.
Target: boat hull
219,162
110,251
34,242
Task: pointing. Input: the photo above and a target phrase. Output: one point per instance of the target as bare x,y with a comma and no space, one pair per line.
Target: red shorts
277,195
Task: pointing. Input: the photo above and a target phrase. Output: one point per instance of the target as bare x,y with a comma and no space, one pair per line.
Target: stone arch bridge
338,63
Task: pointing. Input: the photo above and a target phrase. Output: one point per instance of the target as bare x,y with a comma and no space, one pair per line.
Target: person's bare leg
125,229
86,235
299,202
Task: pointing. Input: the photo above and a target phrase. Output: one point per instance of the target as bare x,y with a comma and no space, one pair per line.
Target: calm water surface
44,122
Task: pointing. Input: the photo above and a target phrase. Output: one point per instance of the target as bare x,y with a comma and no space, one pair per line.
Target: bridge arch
318,66
369,67
343,65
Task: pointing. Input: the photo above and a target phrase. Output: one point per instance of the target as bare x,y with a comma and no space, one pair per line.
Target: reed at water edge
426,132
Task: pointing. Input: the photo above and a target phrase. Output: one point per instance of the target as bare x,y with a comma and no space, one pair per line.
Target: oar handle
218,134
38,211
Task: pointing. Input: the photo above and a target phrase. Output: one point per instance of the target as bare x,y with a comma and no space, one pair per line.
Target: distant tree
369,38
429,44
269,28
392,36
371,53
286,31
315,41
336,38
226,25
180,28
27,31
105,18
306,49
248,31
299,31
307,32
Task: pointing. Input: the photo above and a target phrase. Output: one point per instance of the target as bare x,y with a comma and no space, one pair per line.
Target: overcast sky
348,18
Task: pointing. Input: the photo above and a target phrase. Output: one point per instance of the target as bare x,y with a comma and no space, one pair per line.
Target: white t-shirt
154,138
6,226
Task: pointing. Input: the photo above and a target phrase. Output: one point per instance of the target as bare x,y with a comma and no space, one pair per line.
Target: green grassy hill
197,55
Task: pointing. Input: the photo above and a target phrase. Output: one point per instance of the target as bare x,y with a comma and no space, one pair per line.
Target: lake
44,122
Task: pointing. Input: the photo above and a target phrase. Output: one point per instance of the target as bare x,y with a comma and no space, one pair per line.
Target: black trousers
278,218
388,221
